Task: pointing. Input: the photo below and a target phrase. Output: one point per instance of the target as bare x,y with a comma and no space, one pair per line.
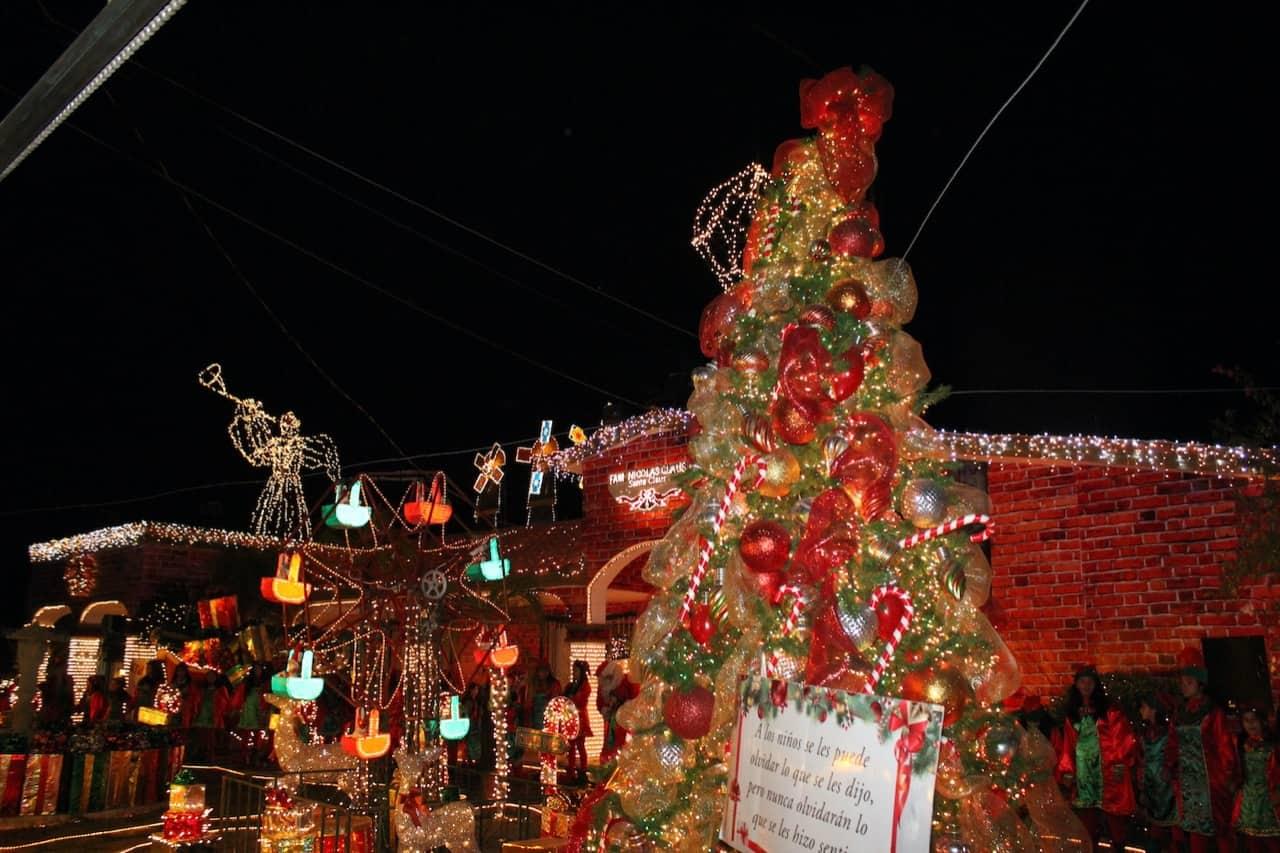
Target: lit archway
47,617
598,587
94,613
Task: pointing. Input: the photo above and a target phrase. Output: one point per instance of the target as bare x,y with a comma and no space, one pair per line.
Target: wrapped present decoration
41,783
336,839
255,640
557,815
221,612
186,824
13,768
123,772
88,785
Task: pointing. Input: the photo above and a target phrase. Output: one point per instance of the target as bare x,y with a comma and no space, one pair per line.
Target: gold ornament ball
782,470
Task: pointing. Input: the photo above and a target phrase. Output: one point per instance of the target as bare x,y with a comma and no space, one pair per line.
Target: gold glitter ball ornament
782,471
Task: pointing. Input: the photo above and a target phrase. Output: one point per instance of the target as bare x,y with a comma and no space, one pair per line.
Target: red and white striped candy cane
988,527
709,545
908,613
790,624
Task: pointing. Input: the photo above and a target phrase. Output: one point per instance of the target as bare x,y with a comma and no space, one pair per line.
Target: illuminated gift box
185,825
557,816
219,613
186,797
336,839
155,717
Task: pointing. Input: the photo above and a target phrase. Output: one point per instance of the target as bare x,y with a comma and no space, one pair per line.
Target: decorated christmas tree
824,555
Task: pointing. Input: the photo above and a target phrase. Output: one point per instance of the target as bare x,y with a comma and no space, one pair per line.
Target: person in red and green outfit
1156,800
1202,761
1255,815
1097,754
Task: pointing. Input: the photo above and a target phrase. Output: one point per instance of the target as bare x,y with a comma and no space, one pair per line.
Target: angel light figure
267,441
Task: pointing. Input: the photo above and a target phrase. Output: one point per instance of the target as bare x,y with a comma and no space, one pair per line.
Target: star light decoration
490,466
267,441
721,222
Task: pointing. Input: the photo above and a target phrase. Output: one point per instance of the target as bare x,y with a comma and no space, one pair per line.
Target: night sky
1104,236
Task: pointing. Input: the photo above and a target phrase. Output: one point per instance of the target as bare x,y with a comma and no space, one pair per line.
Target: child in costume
1097,753
1255,814
1156,800
1202,761
579,690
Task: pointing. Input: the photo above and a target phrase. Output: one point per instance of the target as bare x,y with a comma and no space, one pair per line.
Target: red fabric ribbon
411,803
849,111
830,539
904,749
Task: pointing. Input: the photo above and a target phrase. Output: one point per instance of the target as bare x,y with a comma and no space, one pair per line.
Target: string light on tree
276,443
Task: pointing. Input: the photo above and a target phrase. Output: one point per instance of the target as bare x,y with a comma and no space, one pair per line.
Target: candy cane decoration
790,624
604,836
988,527
708,545
908,613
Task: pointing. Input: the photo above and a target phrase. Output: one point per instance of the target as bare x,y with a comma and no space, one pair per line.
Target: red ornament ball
778,693
701,625
889,612
856,238
767,584
715,331
688,714
765,546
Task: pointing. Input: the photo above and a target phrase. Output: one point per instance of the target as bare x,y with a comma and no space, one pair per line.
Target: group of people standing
209,706
1178,769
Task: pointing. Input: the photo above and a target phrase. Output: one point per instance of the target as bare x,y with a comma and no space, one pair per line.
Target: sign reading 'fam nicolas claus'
646,489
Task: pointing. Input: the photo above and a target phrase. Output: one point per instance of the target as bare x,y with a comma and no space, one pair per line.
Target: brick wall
1121,569
613,526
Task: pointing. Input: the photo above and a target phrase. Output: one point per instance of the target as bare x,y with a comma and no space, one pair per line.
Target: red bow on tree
848,110
913,728
830,539
411,803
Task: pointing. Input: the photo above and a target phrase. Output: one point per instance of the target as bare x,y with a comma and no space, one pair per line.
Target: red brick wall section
1121,569
612,526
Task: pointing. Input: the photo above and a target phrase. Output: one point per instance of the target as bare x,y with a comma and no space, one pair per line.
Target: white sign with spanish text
825,771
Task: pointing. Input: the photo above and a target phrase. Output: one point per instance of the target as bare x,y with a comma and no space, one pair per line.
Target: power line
253,291
395,297
981,135
426,238
401,196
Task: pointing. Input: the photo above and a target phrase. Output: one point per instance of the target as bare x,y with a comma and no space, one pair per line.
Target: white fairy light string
722,219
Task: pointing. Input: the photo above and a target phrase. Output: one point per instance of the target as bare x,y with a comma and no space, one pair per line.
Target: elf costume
1202,760
1255,813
